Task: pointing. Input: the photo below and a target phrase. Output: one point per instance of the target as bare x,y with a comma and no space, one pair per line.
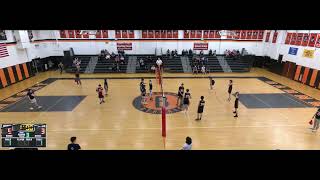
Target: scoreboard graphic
24,135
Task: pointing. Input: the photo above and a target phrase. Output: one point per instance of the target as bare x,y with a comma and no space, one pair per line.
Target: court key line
176,128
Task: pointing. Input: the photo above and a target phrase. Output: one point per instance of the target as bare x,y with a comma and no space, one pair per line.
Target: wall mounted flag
308,53
293,51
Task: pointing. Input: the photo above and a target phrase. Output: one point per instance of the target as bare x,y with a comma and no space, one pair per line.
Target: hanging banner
118,34
163,34
249,34
275,36
200,46
157,33
288,38
169,33
267,37
237,36
205,34
318,41
105,33
124,34
150,34
261,33
293,51
211,33
124,46
308,53
255,34
299,39
243,34
175,34
131,33
312,39
305,39
193,34
186,34
63,34
293,39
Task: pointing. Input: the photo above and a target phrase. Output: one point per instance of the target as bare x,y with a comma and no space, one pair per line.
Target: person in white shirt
188,144
203,69
159,62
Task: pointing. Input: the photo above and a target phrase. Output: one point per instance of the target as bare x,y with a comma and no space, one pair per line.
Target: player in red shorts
100,93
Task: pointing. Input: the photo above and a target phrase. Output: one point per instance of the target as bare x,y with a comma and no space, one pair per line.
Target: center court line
221,127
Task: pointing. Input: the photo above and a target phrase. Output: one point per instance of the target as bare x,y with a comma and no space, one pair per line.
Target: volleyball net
159,78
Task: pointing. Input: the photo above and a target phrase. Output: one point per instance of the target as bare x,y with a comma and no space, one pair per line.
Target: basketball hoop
226,33
89,32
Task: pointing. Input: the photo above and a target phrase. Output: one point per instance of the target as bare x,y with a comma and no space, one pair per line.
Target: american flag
3,50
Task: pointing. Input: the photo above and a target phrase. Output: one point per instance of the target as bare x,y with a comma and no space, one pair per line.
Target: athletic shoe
234,112
235,116
31,108
39,107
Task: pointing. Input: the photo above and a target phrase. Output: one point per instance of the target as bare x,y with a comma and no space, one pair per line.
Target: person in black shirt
212,82
230,90
186,100
143,91
73,146
32,99
200,108
150,89
316,121
180,95
236,105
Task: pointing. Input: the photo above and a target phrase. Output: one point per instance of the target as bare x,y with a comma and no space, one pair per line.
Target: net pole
163,109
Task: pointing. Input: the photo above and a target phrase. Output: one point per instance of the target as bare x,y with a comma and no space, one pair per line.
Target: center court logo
154,106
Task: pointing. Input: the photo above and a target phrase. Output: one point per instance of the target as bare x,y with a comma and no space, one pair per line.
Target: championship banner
267,37
205,34
217,34
243,34
308,53
299,39
249,34
199,34
318,41
104,33
200,46
169,33
124,46
305,39
157,33
275,36
237,36
186,34
211,33
163,34
124,34
288,38
293,39
193,34
71,33
98,34
131,34
175,34
312,39
118,34
63,34
255,34
293,51
150,34
260,36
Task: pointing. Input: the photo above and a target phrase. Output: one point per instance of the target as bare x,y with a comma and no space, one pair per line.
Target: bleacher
238,65
172,65
212,65
147,63
84,63
105,66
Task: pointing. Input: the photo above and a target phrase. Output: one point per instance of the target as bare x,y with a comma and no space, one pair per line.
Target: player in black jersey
200,108
143,91
230,90
180,95
77,78
236,105
150,89
186,100
212,82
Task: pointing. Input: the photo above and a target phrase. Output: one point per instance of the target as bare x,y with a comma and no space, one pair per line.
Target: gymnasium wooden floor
118,125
